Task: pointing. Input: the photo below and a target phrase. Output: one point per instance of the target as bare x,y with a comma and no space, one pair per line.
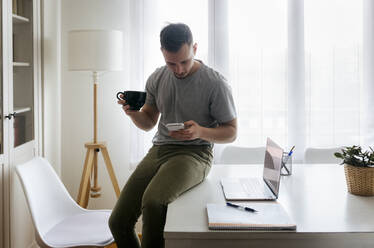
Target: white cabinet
20,109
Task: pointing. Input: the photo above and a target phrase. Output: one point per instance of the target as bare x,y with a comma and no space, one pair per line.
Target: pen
291,151
286,160
241,207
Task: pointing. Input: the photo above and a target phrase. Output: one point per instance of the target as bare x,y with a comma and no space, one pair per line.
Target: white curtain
333,45
368,74
258,69
295,66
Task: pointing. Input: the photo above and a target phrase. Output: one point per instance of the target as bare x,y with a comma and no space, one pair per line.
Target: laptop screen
272,165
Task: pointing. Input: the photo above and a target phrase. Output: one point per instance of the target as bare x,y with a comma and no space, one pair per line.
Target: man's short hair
174,35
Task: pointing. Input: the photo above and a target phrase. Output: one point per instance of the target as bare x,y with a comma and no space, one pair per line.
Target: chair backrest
314,155
48,200
242,155
217,152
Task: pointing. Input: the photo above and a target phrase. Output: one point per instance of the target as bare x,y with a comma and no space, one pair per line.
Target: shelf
19,110
20,19
21,64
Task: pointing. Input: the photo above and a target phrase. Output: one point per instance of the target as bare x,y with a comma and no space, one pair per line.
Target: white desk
315,196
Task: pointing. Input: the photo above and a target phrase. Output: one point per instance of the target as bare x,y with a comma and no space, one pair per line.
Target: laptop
254,188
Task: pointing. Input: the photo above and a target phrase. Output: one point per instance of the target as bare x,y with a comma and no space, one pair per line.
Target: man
185,90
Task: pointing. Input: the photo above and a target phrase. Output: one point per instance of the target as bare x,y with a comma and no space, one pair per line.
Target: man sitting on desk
187,91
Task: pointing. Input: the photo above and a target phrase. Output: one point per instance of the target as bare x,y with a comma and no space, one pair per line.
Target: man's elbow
149,127
234,129
233,134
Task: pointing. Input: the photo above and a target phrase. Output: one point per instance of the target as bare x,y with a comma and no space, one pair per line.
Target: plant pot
360,180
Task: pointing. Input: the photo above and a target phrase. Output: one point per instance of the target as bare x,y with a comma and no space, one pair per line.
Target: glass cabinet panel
23,72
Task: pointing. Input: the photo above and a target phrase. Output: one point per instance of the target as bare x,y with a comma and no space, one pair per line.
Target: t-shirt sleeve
222,107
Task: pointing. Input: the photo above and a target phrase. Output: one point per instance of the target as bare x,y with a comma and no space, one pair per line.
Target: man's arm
224,133
146,118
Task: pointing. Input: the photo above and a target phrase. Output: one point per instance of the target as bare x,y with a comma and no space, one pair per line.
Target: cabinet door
19,91
23,93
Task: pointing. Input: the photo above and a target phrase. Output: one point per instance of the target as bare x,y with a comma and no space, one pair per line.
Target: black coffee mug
135,99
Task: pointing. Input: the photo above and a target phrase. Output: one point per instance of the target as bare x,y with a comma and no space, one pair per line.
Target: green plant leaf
339,155
354,156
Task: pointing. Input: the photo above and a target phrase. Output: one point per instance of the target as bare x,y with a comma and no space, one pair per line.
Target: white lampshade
95,50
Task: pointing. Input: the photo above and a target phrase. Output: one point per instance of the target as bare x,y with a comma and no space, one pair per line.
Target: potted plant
359,169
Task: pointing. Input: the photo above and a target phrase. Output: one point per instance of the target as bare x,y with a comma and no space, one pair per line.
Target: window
256,42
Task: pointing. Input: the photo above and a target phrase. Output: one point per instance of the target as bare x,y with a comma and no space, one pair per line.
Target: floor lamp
95,51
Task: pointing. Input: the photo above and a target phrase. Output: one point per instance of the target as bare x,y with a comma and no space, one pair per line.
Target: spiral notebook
269,216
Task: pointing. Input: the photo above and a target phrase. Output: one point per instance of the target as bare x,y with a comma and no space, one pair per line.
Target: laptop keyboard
255,187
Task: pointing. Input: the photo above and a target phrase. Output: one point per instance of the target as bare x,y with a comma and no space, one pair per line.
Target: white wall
51,73
77,100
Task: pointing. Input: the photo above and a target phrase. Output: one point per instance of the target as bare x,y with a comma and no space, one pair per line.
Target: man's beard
180,76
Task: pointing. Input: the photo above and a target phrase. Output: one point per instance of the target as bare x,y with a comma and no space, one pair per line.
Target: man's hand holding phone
174,126
189,130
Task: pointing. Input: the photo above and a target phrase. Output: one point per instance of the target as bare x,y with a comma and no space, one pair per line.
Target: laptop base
246,189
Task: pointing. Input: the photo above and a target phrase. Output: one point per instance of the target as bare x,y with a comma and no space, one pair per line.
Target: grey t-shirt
204,97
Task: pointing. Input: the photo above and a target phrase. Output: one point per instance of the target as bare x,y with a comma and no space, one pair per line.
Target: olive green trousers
164,174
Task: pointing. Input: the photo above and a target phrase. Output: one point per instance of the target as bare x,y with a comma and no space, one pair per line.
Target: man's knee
153,201
123,221
150,201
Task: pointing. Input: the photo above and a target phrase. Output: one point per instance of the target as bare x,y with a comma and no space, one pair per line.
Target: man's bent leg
127,209
174,177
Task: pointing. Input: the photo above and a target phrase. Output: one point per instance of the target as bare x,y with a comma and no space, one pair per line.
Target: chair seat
87,229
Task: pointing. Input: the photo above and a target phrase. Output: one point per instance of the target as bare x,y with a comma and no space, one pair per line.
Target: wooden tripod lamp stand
95,51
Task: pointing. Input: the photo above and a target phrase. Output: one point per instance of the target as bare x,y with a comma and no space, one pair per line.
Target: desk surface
315,196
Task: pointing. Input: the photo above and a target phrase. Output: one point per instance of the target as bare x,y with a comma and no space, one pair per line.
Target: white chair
59,221
242,155
217,152
321,155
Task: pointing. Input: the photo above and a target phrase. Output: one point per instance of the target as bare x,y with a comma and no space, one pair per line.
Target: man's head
178,48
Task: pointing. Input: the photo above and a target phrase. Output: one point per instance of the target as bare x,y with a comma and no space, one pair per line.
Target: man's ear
194,47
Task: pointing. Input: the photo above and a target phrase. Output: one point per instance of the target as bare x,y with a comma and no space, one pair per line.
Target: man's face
180,62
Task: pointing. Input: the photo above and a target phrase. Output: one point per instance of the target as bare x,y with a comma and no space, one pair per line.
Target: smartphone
174,126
